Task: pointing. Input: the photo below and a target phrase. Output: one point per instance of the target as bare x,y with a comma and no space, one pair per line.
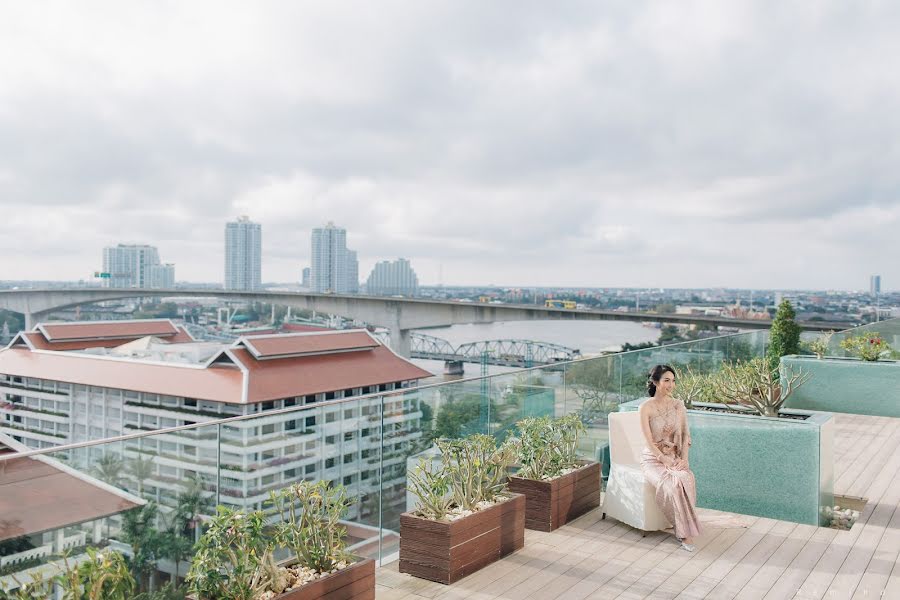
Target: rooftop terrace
737,556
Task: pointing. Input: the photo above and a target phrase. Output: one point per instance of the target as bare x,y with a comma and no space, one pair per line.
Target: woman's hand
680,464
667,461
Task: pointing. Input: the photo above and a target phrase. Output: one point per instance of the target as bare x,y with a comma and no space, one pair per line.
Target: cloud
703,143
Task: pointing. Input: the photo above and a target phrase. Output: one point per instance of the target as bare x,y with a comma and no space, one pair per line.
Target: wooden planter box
356,582
447,552
552,504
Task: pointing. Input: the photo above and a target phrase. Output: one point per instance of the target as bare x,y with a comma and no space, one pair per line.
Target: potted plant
234,559
754,385
557,486
104,575
853,384
465,516
820,345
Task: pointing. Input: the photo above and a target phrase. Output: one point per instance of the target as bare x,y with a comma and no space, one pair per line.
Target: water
590,337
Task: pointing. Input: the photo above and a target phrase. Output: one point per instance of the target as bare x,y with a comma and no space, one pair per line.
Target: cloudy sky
676,144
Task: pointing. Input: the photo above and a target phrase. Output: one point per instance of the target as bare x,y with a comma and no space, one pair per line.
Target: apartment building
69,382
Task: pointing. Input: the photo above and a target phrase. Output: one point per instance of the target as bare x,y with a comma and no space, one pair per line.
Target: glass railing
166,483
888,329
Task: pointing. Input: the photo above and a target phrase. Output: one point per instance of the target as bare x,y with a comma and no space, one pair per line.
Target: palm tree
140,469
109,469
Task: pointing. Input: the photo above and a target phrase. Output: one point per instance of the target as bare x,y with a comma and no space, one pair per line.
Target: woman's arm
685,434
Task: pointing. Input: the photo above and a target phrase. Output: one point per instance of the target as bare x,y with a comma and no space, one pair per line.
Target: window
329,463
309,469
349,413
330,417
290,425
349,479
309,399
348,458
268,405
290,402
190,402
329,395
348,393
311,421
349,435
268,429
330,439
290,473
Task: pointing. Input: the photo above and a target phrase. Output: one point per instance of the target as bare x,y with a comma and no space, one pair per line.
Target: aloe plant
232,557
310,523
548,446
473,469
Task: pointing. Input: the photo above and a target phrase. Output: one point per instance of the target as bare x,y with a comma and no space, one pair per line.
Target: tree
460,417
140,469
109,469
784,336
147,544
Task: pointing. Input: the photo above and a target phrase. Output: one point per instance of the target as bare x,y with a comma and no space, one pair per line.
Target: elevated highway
400,315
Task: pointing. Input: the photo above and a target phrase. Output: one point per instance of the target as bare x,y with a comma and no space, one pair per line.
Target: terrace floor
737,556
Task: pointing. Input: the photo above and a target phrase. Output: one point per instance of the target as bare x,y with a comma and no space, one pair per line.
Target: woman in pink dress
664,460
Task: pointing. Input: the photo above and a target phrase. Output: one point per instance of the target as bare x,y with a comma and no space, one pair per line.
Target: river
590,337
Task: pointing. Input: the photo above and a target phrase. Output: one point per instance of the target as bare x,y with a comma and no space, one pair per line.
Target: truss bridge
505,353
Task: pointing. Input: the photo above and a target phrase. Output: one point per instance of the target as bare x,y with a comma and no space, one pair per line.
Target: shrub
819,346
868,347
784,336
547,446
696,387
755,385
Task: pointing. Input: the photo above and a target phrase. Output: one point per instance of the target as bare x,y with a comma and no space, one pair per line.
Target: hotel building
68,382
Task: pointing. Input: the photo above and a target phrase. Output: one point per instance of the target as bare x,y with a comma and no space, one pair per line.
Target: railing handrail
339,401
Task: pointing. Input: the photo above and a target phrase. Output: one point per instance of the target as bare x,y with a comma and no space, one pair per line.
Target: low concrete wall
846,385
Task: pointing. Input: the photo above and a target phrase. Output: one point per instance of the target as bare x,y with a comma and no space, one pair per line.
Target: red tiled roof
40,343
303,344
37,497
315,374
287,366
302,328
213,383
107,329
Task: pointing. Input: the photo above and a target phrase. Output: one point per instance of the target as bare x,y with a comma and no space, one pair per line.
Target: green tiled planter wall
762,466
846,385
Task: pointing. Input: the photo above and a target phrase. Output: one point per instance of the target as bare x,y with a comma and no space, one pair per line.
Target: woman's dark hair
656,374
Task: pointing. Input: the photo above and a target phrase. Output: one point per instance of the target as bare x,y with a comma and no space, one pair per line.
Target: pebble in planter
465,517
558,487
234,559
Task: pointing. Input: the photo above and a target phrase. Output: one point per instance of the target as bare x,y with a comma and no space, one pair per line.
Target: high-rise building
305,279
135,266
875,284
162,277
243,255
392,278
335,269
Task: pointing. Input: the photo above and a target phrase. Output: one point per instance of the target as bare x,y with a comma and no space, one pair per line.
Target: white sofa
629,498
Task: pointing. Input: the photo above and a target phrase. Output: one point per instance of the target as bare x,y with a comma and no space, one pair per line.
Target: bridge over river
400,315
504,353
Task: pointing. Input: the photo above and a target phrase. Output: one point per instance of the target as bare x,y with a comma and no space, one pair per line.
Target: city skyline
633,146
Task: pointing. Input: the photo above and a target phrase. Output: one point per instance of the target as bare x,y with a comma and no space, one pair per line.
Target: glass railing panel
888,329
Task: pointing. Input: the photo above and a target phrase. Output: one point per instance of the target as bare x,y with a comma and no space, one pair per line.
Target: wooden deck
737,556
